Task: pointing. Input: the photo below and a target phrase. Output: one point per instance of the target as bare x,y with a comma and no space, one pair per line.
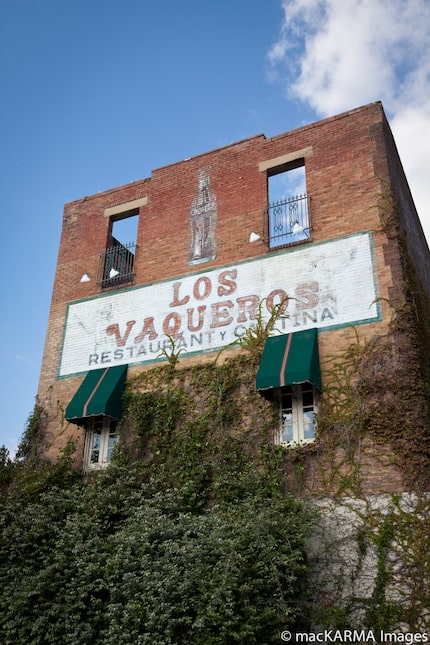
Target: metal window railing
287,221
116,264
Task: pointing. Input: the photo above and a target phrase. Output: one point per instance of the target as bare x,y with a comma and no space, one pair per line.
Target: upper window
116,263
287,210
298,405
100,441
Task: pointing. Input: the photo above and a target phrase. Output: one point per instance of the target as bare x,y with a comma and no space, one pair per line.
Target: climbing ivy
375,402
377,571
187,537
196,533
203,430
30,441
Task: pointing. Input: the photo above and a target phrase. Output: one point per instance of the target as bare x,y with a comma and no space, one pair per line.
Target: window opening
124,230
101,439
116,264
298,406
287,211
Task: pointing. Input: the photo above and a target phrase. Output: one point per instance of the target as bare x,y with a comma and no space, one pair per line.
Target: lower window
100,441
298,405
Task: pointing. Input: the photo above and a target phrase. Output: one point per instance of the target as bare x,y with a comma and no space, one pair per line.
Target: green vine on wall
377,390
385,565
203,435
203,430
376,398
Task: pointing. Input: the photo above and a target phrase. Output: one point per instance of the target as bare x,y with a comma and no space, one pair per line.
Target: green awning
288,359
100,393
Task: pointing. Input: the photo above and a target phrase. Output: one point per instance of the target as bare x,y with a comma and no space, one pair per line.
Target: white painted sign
328,284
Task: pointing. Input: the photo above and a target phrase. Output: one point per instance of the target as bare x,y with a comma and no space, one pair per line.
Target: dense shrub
109,561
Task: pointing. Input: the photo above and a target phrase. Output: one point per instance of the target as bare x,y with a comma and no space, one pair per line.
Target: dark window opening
287,216
116,263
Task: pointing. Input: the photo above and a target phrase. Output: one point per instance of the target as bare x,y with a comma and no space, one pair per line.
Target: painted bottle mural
203,215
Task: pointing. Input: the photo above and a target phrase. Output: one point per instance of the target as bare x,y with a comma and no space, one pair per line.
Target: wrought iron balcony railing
287,221
116,264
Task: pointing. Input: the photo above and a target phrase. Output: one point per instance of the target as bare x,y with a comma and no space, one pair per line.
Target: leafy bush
106,562
188,537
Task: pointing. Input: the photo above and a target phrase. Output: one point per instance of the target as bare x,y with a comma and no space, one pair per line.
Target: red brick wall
345,172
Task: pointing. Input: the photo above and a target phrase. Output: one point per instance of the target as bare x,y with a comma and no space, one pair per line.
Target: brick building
319,218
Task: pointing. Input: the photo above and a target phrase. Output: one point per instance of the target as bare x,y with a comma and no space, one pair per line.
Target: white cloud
338,54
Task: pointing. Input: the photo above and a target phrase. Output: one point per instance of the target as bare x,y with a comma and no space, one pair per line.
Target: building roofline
309,126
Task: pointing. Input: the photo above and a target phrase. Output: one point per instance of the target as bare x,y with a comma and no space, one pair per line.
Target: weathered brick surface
352,160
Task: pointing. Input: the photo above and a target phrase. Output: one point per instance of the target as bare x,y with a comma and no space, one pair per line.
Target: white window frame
298,405
100,439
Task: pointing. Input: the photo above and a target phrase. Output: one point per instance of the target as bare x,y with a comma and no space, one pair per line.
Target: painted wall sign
328,284
203,217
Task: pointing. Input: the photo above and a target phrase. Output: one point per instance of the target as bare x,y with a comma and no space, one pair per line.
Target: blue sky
97,93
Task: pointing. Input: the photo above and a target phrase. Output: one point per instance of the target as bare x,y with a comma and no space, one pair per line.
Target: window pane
95,446
308,399
287,425
96,439
287,430
287,399
297,407
308,411
111,444
308,424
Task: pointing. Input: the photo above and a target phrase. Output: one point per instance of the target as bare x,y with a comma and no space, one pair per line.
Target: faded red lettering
201,312
306,295
113,330
248,305
207,288
176,302
220,313
172,324
276,294
148,329
227,282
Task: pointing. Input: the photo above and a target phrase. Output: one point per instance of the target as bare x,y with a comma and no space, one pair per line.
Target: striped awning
100,393
288,359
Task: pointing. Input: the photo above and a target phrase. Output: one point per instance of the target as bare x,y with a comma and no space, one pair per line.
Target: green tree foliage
6,467
107,561
187,538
